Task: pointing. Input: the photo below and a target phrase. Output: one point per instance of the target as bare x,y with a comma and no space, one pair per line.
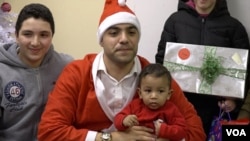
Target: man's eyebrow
129,27
132,27
113,27
45,31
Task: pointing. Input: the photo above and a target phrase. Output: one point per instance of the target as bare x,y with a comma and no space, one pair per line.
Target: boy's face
34,39
154,91
204,6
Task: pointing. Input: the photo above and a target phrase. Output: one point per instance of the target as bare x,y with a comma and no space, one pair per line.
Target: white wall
76,23
153,13
240,9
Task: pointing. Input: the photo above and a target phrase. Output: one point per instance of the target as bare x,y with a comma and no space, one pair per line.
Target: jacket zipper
203,22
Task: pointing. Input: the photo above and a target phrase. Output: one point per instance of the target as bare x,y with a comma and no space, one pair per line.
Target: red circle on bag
184,53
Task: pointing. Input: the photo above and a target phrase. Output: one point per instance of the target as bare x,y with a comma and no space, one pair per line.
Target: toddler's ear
139,92
170,93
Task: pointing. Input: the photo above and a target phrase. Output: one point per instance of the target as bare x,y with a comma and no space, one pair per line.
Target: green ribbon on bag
210,69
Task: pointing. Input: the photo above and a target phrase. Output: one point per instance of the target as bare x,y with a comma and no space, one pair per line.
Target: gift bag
215,133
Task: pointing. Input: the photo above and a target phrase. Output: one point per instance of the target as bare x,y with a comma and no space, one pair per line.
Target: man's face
34,39
120,43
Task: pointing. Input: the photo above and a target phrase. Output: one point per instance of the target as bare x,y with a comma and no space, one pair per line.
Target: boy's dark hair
157,70
37,11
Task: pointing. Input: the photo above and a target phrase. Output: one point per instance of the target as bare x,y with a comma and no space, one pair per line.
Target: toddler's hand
130,120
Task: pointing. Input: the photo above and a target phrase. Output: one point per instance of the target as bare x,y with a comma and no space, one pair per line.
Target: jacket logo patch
14,92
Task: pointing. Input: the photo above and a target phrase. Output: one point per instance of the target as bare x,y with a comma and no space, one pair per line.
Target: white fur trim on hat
117,18
122,2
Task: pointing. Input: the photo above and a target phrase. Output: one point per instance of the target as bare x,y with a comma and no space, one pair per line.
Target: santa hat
116,12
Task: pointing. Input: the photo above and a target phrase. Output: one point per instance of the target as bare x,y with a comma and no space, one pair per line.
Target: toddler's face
154,91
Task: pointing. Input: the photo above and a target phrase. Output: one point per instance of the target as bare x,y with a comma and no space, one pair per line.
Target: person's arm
240,39
135,133
57,121
167,35
195,131
245,109
124,119
175,128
